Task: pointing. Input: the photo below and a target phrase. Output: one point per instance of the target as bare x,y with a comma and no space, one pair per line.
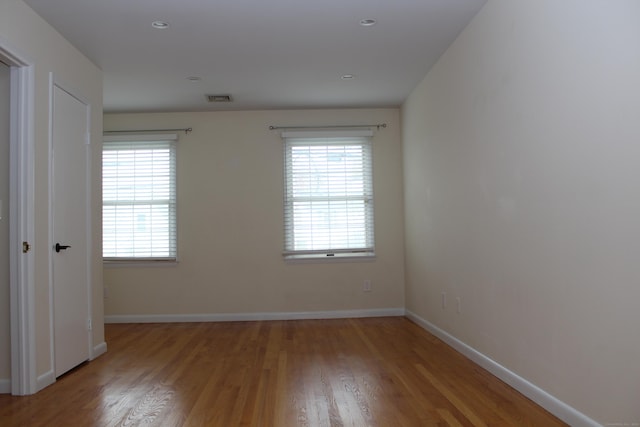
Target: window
328,202
139,198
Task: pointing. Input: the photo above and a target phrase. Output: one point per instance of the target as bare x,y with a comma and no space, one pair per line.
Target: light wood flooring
350,372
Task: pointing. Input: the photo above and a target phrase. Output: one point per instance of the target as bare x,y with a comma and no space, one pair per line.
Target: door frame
53,83
21,208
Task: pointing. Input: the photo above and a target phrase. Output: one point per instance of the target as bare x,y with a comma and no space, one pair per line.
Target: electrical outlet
366,286
444,300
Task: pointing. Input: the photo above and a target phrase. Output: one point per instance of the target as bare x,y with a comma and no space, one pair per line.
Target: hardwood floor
351,372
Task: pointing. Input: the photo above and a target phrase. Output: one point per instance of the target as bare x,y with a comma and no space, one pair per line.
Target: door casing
56,83
21,205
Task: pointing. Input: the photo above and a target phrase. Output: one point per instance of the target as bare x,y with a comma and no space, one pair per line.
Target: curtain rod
185,130
379,125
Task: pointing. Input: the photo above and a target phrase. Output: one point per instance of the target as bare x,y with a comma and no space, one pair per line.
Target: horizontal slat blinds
328,194
139,198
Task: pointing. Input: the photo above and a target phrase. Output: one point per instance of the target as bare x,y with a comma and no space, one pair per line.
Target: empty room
338,213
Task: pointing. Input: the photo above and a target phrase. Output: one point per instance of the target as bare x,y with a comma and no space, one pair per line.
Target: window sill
139,264
324,258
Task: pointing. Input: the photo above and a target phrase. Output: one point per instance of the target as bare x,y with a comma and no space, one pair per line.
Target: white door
70,250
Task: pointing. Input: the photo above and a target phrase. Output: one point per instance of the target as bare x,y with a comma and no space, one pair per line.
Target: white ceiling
265,54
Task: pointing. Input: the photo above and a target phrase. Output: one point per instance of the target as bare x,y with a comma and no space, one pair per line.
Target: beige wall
230,236
522,196
26,35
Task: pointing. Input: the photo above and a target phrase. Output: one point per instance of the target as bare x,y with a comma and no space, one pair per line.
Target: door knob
60,247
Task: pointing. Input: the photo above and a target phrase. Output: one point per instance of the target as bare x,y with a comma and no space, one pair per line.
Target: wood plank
349,372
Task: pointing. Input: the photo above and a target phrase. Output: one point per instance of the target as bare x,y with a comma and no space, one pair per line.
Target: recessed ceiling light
160,25
368,22
348,77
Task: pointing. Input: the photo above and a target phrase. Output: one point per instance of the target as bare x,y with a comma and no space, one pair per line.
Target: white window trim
320,259
118,262
365,254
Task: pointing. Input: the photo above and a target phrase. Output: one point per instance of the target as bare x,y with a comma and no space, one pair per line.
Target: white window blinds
139,198
328,202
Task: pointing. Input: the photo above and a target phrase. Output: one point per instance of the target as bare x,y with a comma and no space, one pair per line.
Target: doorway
17,78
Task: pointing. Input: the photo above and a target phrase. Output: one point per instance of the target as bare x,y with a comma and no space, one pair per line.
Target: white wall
230,232
26,35
522,196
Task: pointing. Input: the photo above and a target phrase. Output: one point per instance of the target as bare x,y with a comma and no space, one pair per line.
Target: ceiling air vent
219,98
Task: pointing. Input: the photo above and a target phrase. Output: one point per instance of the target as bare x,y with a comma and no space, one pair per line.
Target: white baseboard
45,380
557,407
240,317
99,350
49,377
5,386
